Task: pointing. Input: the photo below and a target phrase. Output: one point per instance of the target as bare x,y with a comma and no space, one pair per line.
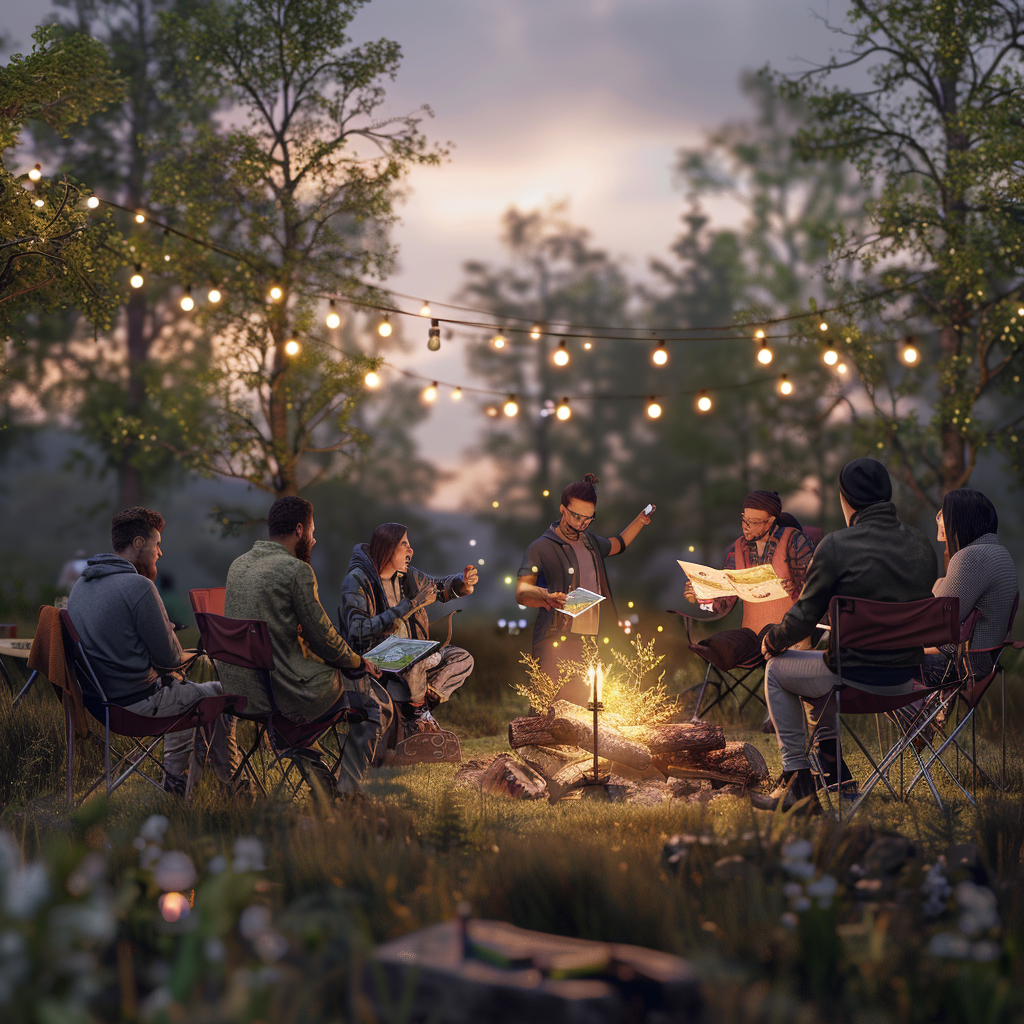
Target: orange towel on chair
47,658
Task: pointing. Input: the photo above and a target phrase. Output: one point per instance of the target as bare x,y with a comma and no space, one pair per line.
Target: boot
796,791
842,779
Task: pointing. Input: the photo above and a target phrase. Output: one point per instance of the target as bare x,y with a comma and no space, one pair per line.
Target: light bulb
842,368
92,202
173,906
140,218
563,412
214,295
660,354
703,402
561,354
425,308
434,336
332,319
545,493
653,409
384,327
758,334
830,356
137,280
823,326
910,354
372,379
430,392
588,345
535,332
785,385
492,411
39,203
764,354
457,395
291,347
187,302
511,407
276,294
167,258
1020,311
498,341
36,173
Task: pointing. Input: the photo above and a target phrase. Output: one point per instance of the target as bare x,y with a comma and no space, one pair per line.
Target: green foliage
936,131
297,187
55,253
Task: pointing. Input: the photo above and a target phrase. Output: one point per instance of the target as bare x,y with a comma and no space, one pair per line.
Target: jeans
799,684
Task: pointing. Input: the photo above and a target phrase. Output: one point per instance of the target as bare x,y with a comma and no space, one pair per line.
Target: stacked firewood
553,755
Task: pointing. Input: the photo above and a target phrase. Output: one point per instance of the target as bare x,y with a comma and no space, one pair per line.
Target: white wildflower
936,890
27,889
792,890
248,854
985,951
253,921
217,865
801,904
270,945
154,829
823,890
174,872
797,849
789,919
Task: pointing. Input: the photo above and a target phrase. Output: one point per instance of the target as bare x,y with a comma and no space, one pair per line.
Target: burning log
741,764
567,723
503,775
660,739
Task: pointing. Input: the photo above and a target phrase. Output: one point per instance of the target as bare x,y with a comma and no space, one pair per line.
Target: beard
304,549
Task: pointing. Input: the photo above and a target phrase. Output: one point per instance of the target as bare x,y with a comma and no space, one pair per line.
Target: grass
597,870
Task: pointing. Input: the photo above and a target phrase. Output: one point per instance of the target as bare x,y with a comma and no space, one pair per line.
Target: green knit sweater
271,584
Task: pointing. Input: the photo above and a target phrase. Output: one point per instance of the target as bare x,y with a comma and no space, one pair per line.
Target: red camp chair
118,721
864,625
246,643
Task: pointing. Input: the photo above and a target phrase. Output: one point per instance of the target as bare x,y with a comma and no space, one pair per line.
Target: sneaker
417,718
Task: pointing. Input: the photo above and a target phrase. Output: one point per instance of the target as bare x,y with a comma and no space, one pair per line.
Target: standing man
565,557
317,676
384,595
876,557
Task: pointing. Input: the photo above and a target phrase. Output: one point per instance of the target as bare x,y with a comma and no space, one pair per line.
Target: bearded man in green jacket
317,676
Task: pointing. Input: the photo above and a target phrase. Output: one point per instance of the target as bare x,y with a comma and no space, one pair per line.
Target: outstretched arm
625,538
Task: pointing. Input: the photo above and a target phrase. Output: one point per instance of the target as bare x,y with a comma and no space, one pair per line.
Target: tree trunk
739,763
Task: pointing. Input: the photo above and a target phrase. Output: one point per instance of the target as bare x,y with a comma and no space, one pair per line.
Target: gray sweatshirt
125,631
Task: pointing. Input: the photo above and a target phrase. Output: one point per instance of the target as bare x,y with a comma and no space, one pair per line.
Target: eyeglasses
580,519
754,522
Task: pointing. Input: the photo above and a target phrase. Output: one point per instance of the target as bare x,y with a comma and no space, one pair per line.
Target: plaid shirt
798,558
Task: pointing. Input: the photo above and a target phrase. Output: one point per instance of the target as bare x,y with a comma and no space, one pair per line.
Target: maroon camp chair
859,624
246,643
118,721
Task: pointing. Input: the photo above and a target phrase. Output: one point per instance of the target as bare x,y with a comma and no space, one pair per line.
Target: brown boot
796,791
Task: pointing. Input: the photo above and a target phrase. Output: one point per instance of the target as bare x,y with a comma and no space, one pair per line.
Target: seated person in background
877,557
317,677
124,628
980,571
384,595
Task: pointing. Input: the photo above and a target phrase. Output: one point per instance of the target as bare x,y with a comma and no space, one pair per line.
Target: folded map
580,600
758,583
397,653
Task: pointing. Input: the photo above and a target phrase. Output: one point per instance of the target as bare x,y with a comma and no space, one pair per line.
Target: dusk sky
584,100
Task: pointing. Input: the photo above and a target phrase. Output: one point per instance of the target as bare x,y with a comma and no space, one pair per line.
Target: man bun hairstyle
967,515
286,513
384,542
131,523
581,490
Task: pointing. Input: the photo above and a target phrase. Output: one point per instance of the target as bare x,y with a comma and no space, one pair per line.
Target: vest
758,614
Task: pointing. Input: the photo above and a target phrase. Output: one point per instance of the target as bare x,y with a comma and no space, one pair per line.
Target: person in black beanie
877,557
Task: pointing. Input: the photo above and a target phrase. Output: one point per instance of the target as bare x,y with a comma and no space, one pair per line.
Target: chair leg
1002,725
700,696
193,764
25,688
106,747
69,731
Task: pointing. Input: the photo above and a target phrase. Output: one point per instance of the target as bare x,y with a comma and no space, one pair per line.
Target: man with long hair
384,595
568,556
317,676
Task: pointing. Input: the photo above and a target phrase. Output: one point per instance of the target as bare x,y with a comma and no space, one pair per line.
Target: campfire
622,745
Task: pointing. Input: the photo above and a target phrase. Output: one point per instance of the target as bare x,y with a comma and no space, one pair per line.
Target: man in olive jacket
876,557
384,595
317,676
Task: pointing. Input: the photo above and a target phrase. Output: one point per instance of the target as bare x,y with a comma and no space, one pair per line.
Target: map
395,653
580,600
758,583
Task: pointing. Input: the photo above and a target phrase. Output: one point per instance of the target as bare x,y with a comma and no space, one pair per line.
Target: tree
55,252
937,134
295,191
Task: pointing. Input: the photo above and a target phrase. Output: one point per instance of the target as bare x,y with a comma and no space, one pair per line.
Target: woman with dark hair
979,571
568,556
383,595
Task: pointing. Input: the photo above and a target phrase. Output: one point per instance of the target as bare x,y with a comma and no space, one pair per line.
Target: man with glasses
566,557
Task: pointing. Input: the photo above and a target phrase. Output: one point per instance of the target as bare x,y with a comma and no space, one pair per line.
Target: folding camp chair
246,643
970,696
860,624
118,721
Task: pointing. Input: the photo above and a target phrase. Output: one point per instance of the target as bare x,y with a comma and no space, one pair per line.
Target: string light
563,412
830,356
214,295
498,341
823,326
587,345
372,379
1020,311
535,332
384,327
140,218
703,401
764,353
276,294
36,173
434,336
511,407
653,409
292,347
842,368
187,302
167,257
430,392
457,395
137,280
492,411
332,319
561,354
92,202
660,354
545,493
910,354
758,334
785,386
38,203
425,308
